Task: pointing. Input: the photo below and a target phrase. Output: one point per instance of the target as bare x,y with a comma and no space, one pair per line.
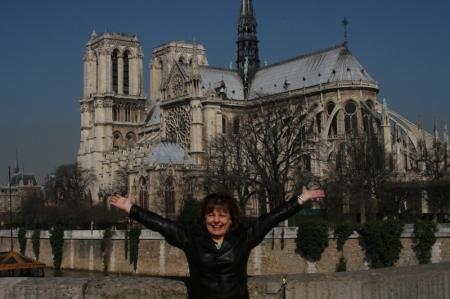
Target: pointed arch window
224,125
368,122
332,133
236,125
130,138
169,197
143,194
126,73
115,70
118,140
350,118
128,113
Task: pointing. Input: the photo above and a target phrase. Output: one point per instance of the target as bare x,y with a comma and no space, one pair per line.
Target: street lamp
10,205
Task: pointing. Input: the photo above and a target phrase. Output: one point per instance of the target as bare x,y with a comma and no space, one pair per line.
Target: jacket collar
204,238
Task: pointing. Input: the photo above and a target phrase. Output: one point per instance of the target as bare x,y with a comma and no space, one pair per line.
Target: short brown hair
223,200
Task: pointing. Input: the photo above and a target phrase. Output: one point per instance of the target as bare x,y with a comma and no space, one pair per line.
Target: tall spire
345,23
436,130
247,52
16,166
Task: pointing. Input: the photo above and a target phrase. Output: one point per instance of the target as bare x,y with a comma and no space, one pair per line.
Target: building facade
162,144
21,185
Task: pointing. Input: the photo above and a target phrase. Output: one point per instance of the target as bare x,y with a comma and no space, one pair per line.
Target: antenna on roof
345,23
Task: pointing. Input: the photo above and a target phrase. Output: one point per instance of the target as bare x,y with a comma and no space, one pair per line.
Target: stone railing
412,282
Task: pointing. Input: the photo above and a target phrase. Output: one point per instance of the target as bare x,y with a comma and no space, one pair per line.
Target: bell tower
113,102
247,52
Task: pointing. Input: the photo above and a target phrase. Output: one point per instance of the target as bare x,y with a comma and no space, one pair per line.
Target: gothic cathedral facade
161,143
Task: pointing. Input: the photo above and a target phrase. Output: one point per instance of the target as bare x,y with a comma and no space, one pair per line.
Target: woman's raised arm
123,203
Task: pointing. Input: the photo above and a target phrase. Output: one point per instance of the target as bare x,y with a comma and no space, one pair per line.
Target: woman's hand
123,203
310,194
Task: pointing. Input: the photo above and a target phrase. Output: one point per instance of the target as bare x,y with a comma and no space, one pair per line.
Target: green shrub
342,231
383,243
36,241
22,240
342,265
425,238
189,211
135,233
312,239
106,247
57,243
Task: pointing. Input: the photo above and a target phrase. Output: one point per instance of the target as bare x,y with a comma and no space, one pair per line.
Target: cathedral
162,143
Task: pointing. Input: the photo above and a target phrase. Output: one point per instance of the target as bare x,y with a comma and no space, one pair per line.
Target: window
127,113
350,118
143,194
115,113
236,125
332,133
115,70
169,196
224,125
130,138
117,139
367,118
319,122
126,76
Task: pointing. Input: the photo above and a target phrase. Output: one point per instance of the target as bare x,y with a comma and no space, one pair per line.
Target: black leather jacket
216,273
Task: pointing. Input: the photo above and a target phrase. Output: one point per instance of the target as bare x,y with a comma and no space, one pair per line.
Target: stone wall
82,251
411,282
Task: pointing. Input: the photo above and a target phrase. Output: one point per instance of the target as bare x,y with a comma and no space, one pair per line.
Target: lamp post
10,206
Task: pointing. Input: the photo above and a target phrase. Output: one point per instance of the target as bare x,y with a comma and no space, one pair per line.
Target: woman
217,250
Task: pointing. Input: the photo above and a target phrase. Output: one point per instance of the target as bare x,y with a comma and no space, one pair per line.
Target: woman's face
218,223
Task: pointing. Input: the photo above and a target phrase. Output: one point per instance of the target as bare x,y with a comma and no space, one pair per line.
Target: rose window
177,126
177,85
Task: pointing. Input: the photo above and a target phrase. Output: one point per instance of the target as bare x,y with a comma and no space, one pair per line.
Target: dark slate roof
23,179
333,64
168,151
214,76
329,65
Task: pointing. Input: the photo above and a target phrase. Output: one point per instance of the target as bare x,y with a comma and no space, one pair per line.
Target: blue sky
404,45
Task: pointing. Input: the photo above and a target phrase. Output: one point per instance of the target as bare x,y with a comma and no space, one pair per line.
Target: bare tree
402,199
261,155
436,160
274,140
70,183
69,189
229,168
31,212
121,181
361,169
437,187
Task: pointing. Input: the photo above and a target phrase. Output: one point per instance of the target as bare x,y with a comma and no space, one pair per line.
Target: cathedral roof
153,116
167,151
326,66
231,79
335,64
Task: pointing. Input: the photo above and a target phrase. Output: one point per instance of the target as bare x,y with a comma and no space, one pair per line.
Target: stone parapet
277,254
412,282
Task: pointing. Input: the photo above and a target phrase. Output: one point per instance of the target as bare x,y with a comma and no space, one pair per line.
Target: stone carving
177,85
